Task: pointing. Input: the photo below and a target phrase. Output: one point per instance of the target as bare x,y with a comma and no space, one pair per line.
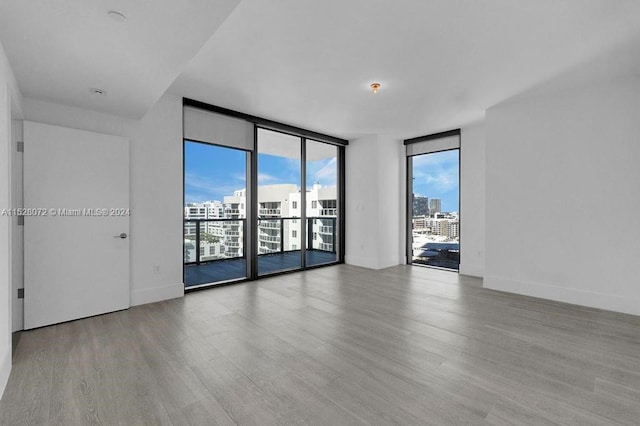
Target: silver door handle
123,236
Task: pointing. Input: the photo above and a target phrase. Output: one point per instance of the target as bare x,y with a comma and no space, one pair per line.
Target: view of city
435,220
215,211
222,224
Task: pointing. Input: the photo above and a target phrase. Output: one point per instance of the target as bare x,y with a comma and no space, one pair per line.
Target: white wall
472,196
375,192
77,118
562,203
10,98
156,188
156,204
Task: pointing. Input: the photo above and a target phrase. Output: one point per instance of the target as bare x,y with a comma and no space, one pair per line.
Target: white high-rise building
273,231
211,231
321,217
279,223
234,208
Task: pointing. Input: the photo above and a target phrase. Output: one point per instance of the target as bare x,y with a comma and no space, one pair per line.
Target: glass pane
279,209
435,223
322,204
214,214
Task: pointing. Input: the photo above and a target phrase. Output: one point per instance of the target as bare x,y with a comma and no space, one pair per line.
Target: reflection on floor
233,269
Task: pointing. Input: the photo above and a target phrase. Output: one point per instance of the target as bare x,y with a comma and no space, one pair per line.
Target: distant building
322,208
211,231
444,225
435,206
273,204
454,230
234,208
419,223
420,206
279,224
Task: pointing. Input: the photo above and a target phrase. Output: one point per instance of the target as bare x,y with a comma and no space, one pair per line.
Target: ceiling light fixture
117,16
97,91
375,87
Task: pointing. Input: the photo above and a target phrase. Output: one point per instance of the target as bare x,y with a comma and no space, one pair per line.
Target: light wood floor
333,346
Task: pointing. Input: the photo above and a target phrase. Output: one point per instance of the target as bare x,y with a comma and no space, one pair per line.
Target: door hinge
20,146
21,293
21,220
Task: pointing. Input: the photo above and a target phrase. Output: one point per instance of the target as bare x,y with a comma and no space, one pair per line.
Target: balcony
442,255
268,250
273,224
220,271
279,249
200,234
328,230
325,243
328,212
269,238
269,212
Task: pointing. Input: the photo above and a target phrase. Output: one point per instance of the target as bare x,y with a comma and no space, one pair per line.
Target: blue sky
211,172
437,176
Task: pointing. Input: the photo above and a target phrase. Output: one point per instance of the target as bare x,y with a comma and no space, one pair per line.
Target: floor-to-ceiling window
296,228
322,203
261,197
433,204
215,218
280,210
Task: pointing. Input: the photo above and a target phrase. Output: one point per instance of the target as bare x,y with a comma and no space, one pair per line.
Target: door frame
409,192
252,186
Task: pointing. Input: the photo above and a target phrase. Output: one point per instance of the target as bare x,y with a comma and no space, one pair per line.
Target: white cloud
201,188
197,182
436,174
328,170
264,178
239,177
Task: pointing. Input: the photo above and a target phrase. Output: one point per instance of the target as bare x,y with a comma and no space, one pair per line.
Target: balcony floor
233,269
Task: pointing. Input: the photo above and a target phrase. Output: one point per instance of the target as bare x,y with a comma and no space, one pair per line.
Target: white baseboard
364,262
389,262
156,294
368,262
5,371
574,296
471,270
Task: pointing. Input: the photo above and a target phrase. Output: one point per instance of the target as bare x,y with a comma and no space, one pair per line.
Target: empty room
258,212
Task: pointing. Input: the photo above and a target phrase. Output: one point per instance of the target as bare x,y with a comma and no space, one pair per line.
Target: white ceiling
58,49
309,63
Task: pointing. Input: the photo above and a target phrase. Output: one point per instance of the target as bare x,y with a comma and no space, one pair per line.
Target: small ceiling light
117,16
375,87
97,91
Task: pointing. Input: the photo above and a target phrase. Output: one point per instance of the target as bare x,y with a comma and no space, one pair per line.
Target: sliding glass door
279,231
296,228
215,219
260,198
322,203
433,206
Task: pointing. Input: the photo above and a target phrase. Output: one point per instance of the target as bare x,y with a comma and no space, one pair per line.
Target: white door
76,263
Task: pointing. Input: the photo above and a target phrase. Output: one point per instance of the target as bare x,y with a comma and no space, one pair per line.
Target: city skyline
213,172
